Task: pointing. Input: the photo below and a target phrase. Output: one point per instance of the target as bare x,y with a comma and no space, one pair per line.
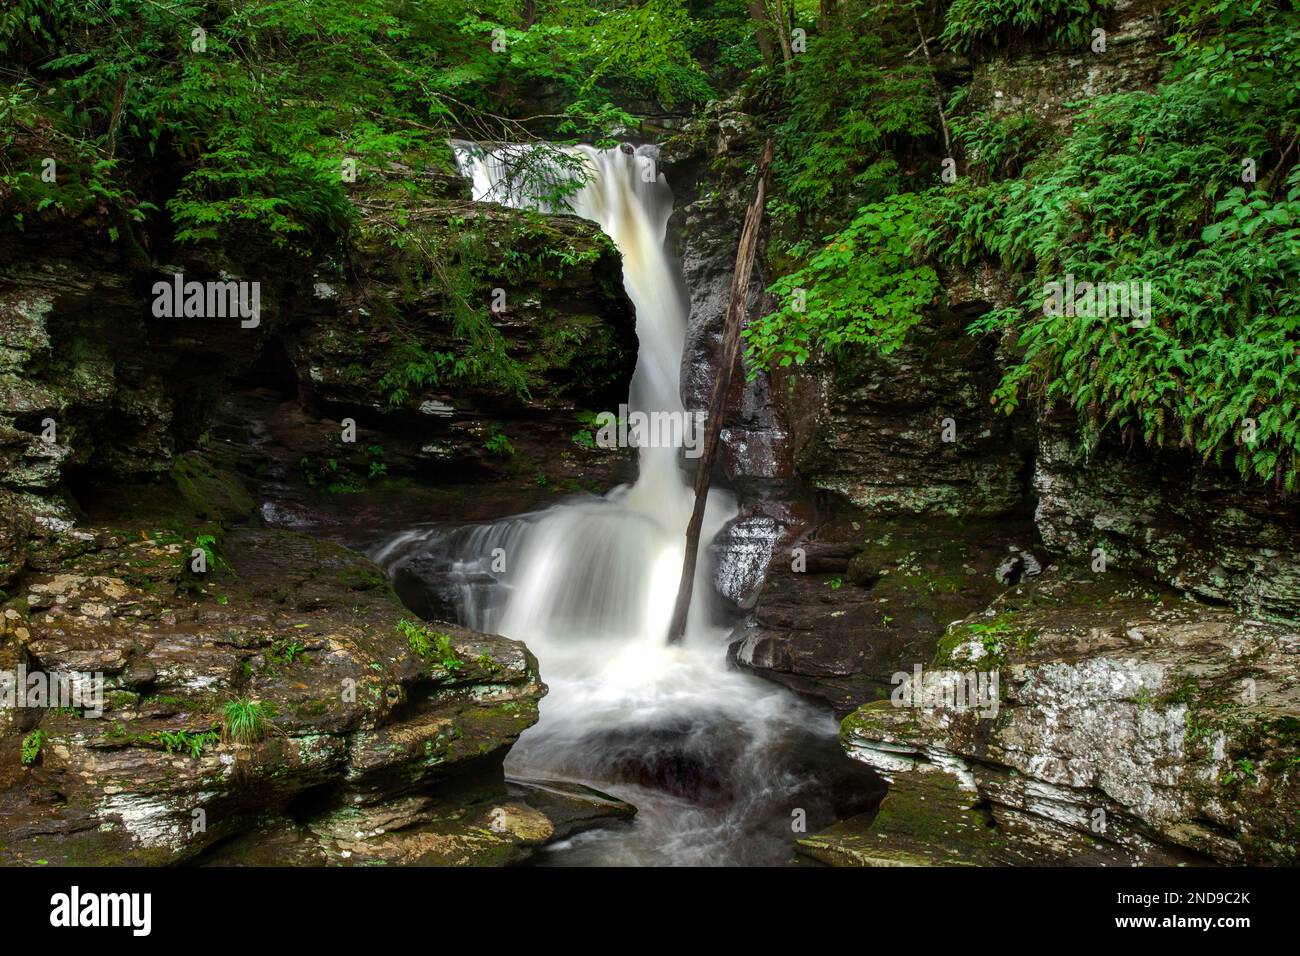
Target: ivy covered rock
481,339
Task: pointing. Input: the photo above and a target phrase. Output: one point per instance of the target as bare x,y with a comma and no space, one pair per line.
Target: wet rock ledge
375,739
1135,726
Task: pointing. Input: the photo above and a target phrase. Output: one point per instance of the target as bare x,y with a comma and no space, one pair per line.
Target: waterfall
608,570
590,585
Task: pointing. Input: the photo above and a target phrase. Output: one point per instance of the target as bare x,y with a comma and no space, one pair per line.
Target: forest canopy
179,122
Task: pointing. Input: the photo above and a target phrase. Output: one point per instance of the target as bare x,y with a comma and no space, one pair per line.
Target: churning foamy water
709,755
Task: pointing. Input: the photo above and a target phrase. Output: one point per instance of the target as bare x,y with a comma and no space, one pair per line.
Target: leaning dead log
730,352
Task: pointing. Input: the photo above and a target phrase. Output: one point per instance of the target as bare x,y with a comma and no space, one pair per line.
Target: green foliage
864,289
413,368
31,748
584,46
208,543
181,741
285,651
997,637
261,110
856,102
998,147
498,443
969,24
246,721
344,477
585,437
1148,187
433,646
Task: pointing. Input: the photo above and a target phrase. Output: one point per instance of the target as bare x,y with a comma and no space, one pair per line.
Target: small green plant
181,740
836,583
999,635
327,472
246,721
499,444
585,437
285,651
416,636
488,663
433,646
31,751
207,543
1242,771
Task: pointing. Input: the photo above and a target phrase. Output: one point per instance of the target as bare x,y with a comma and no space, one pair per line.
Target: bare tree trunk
781,17
938,90
730,352
763,30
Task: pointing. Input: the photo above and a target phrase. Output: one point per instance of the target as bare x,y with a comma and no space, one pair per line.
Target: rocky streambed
365,751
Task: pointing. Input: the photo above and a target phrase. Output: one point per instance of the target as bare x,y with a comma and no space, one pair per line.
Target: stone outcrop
912,432
863,598
1131,726
373,740
95,390
564,321
1044,82
1197,527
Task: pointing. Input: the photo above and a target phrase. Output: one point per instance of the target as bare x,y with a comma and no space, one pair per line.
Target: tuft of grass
246,721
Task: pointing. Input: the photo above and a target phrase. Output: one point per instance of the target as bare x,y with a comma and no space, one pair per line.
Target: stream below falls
723,766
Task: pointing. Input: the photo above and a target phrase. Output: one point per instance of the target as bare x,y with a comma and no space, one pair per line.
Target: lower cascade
723,766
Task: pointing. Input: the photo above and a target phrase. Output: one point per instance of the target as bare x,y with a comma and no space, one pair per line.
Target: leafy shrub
863,289
31,747
972,23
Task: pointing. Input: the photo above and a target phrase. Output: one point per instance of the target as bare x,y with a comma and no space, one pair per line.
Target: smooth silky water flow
717,761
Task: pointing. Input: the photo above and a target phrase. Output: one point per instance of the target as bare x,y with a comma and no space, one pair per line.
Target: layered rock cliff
280,704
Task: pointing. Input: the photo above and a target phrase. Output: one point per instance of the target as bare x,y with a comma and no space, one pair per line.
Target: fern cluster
1193,187
969,24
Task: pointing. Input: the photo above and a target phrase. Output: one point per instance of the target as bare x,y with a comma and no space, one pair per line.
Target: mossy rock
210,493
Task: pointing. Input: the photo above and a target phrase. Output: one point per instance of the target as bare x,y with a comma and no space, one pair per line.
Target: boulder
362,719
1131,725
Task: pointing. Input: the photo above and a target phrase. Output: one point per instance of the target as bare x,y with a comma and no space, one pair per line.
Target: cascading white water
589,586
610,570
